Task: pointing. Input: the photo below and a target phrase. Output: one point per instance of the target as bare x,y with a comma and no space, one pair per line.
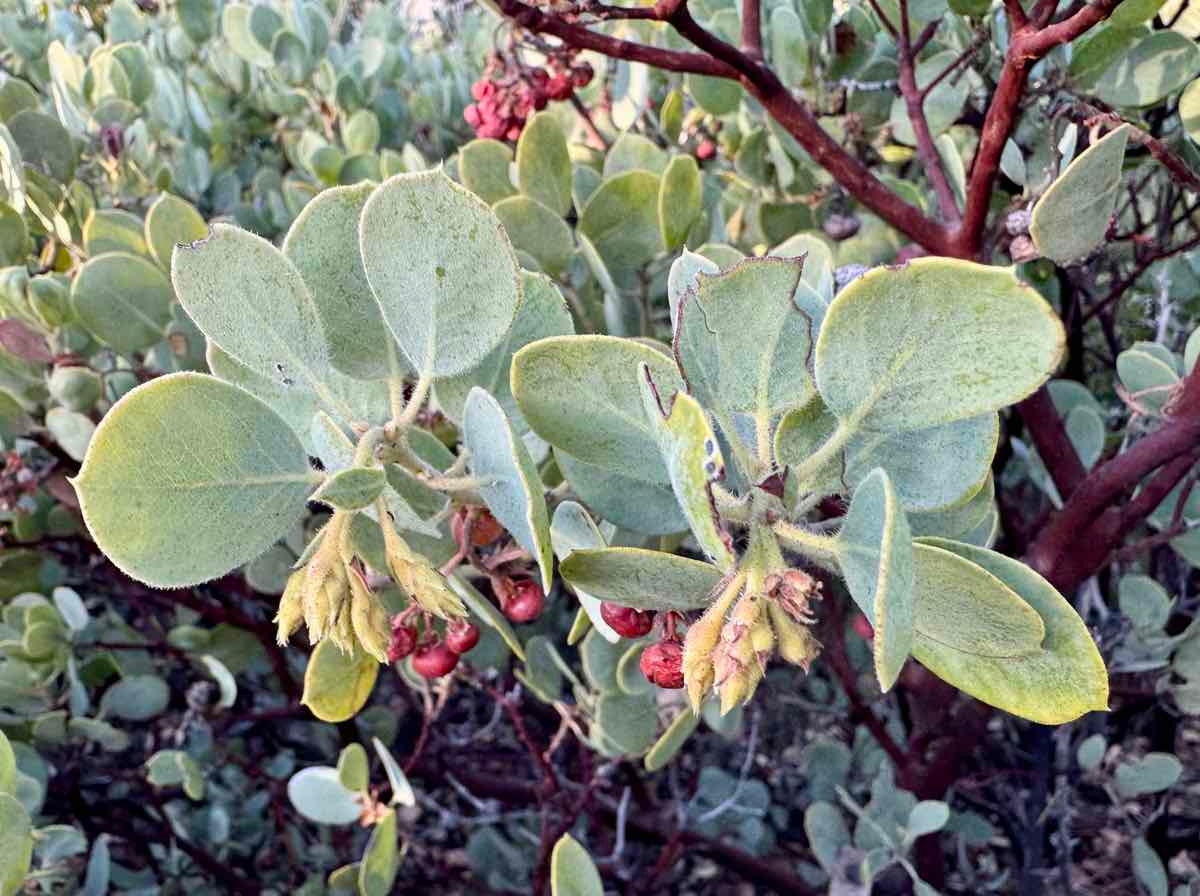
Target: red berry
581,75
662,664
461,636
471,116
526,603
706,150
863,628
560,87
626,621
434,660
404,640
484,528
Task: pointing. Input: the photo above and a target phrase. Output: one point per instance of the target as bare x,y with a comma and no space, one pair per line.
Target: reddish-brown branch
1015,13
723,60
1180,170
1026,47
914,101
1078,540
1123,285
1054,447
839,662
752,42
575,35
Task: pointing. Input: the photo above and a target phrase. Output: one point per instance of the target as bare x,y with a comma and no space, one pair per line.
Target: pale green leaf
352,769
694,461
933,467
354,488
174,768
648,508
336,684
543,313
136,698
966,612
672,740
571,529
572,872
16,845
936,341
538,231
450,294
581,394
543,163
71,430
317,794
876,557
249,299
927,817
484,166
123,300
8,766
322,244
1148,868
514,491
643,579
679,200
1072,217
625,725
743,344
632,151
716,96
621,221
402,792
188,477
683,276
169,222
1057,683
1152,773
1156,66
1144,602
381,859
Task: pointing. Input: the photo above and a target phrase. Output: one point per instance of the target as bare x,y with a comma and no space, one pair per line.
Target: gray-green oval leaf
442,269
188,477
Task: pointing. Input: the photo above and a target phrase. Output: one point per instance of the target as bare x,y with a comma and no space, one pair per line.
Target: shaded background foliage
155,740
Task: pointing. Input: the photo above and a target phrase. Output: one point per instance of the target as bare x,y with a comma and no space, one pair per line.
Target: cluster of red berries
506,94
435,656
661,662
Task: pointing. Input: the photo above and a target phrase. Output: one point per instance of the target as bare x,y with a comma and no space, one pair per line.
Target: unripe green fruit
75,388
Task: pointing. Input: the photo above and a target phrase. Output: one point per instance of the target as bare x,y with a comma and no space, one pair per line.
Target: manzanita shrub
742,430
644,480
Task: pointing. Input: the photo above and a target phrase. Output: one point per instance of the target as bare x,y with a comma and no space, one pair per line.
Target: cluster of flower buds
507,93
329,593
435,655
727,648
